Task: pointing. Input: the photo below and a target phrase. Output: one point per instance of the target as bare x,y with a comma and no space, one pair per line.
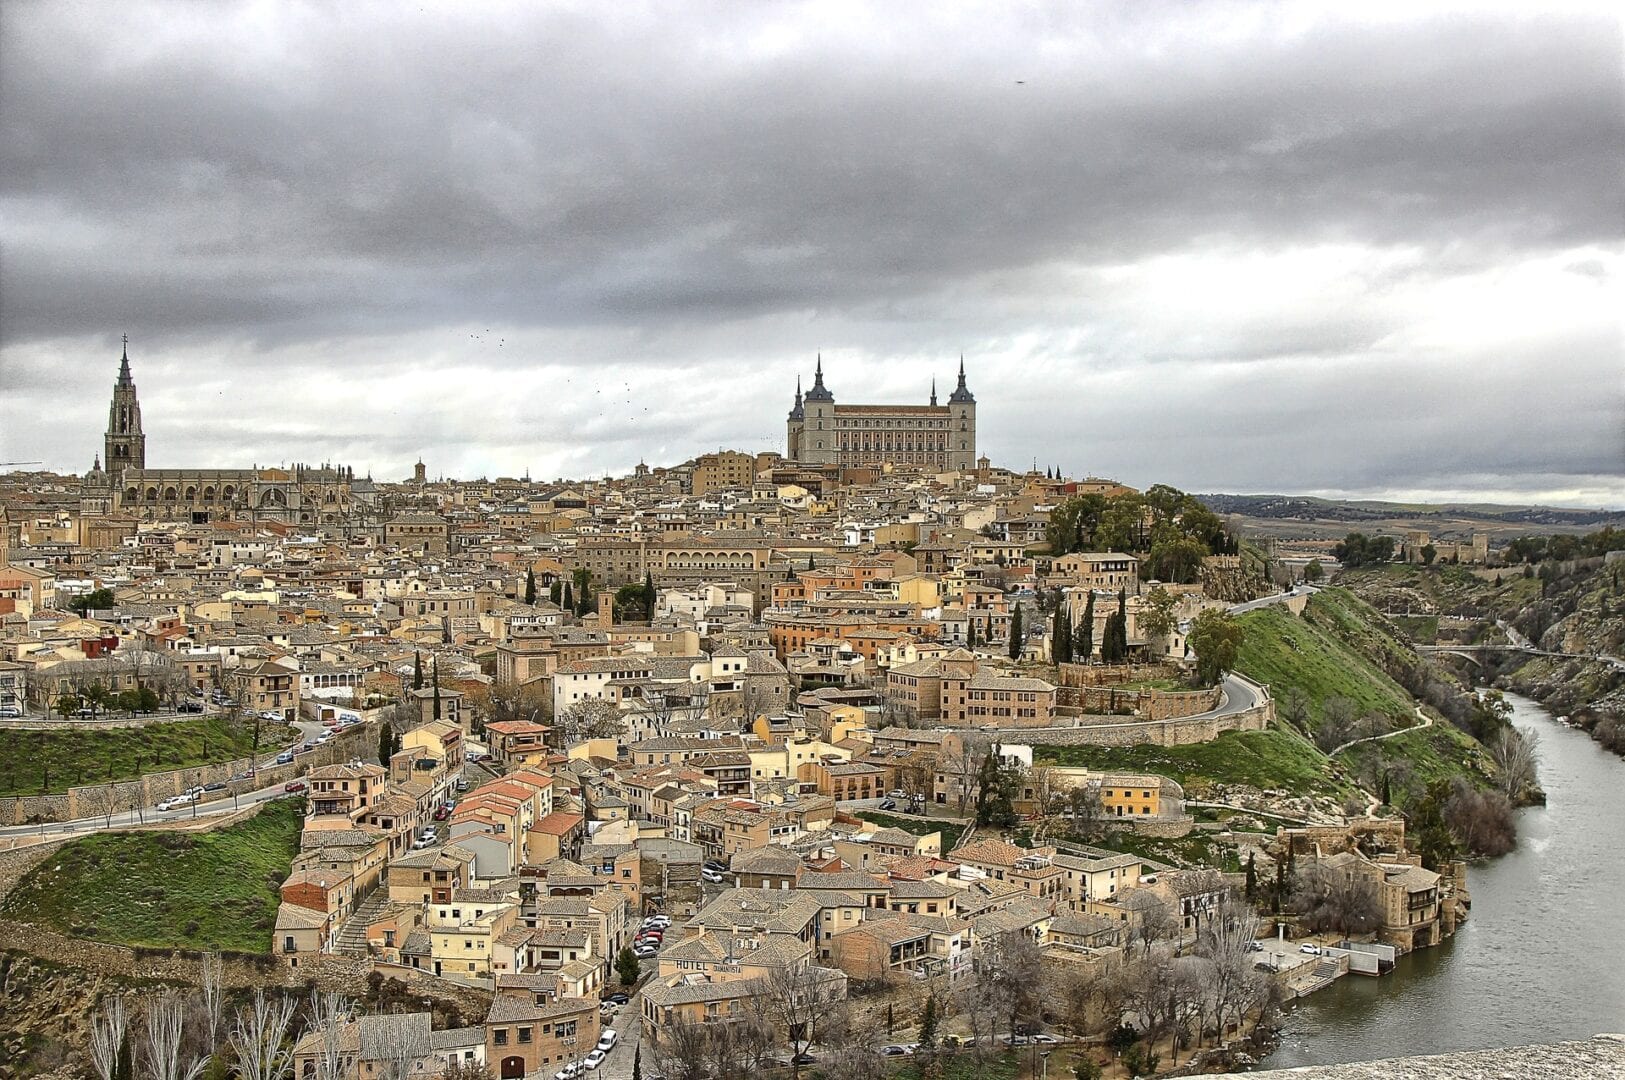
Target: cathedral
324,498
858,436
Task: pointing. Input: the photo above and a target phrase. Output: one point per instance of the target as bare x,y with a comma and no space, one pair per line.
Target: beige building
931,436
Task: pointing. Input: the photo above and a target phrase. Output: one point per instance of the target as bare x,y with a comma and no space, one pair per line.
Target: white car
593,1060
712,876
1310,948
606,1041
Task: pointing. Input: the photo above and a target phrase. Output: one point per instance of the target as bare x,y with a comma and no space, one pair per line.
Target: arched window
208,493
191,494
228,492
169,494
132,495
152,494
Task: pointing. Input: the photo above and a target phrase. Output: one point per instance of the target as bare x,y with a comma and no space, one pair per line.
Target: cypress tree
1085,647
1015,633
637,1064
568,602
437,687
970,634
530,585
1061,636
1252,876
417,671
649,595
386,749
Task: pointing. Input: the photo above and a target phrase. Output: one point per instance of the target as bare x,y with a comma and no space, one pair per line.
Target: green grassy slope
214,890
1316,655
35,762
918,826
1440,752
1264,759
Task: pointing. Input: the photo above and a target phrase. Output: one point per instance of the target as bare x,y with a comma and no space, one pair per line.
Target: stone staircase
352,939
1324,975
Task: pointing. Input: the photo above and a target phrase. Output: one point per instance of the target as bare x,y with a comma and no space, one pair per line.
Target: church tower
126,446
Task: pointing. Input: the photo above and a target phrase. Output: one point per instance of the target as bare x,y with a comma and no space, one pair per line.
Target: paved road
1236,695
146,815
1277,598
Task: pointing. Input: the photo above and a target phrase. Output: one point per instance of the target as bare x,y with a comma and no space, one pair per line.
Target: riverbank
1543,935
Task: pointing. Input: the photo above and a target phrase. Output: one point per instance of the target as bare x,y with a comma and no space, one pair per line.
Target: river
1542,957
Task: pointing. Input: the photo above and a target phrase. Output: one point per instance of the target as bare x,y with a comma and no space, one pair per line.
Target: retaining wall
1111,731
93,800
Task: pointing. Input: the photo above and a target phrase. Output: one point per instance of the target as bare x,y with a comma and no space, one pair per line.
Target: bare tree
795,997
1012,966
161,1044
1087,810
981,1003
1226,940
680,1052
853,1043
1344,900
108,1029
972,750
259,1035
329,1012
211,974
1516,753
1158,921
592,718
404,1042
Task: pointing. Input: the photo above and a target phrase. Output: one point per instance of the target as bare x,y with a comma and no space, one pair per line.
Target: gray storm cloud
1224,246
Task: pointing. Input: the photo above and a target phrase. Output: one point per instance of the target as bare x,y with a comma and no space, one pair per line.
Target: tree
1085,637
927,1037
1336,723
388,742
95,600
212,998
437,686
530,585
626,966
590,718
1342,900
1114,639
631,604
637,1063
259,1038
1516,754
970,632
1429,553
417,671
1016,633
1176,559
795,997
109,1039
328,1013
567,600
68,704
1313,571
1480,821
1060,636
1216,639
651,597
1157,613
1072,524
403,1041
582,577
1012,966
996,785
162,1047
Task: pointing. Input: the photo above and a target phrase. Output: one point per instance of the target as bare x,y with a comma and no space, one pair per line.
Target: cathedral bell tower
126,445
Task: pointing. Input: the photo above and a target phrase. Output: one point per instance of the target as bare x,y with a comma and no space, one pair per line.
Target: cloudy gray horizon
1373,252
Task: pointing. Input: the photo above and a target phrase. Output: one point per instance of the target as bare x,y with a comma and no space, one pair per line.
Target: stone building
329,495
820,432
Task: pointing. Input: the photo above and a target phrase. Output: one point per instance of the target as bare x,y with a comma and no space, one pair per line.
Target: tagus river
1541,959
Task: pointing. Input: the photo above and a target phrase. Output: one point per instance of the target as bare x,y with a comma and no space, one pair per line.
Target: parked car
659,921
1309,947
185,706
899,1049
269,715
10,712
1265,965
1255,946
422,842
441,813
284,757
644,952
606,1041
617,998
713,864
887,804
218,785
593,1060
898,794
294,786
713,876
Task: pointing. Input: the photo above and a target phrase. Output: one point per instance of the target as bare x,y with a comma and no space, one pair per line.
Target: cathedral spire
961,394
933,390
819,391
124,377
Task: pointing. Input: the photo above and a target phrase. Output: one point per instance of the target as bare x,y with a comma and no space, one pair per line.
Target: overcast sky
1344,248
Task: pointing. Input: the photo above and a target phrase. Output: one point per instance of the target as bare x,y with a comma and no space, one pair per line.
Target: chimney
606,610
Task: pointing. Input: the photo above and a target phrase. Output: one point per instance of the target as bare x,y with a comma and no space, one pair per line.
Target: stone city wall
1082,675
1146,704
1110,731
93,800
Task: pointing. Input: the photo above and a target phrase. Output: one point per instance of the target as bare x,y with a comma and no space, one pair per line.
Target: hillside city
856,759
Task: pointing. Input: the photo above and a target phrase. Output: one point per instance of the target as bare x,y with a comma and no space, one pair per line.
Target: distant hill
1306,514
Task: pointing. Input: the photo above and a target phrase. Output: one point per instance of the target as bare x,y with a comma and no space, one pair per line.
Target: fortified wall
95,800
